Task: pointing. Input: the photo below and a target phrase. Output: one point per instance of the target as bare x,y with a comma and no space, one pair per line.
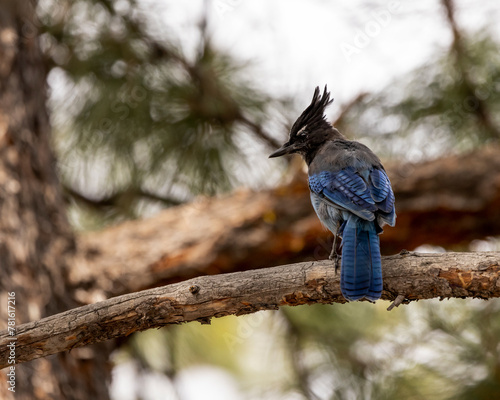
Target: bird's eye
302,132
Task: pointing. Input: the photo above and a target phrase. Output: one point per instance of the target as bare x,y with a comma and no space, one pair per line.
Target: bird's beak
285,149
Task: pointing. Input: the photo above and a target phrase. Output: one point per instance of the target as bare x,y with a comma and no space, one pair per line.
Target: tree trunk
36,242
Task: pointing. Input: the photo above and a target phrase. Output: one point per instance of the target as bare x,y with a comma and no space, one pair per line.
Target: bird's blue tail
361,274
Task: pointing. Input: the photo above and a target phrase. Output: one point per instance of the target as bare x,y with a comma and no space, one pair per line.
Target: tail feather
376,283
361,273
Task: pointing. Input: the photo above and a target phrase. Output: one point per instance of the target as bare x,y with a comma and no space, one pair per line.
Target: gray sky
353,46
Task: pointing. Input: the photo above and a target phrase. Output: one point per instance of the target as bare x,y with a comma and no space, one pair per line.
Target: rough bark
411,276
449,202
36,241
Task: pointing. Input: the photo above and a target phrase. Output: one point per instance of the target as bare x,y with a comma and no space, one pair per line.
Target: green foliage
441,106
431,350
141,121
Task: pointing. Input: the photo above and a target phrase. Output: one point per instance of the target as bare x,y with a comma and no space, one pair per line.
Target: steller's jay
350,192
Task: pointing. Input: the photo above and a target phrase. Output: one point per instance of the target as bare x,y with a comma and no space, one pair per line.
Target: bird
350,193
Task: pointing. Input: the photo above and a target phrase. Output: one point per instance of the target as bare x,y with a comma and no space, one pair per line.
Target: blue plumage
362,198
361,273
351,194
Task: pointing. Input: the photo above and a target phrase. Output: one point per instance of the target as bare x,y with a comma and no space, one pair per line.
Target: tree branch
414,275
114,199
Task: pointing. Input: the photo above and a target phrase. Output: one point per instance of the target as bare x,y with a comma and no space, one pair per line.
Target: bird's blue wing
380,183
383,195
346,189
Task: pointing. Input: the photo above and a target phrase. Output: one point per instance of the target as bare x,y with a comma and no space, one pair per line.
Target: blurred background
162,104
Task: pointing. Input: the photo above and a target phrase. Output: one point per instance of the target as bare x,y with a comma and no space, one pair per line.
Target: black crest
313,117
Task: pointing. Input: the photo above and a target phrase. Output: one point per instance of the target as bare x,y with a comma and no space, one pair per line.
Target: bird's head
311,129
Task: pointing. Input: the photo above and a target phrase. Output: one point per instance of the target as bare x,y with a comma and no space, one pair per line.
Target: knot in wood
194,289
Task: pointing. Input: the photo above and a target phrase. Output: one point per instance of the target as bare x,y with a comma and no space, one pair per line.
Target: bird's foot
336,260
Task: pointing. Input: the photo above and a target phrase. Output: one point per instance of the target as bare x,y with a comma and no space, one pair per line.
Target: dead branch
412,275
